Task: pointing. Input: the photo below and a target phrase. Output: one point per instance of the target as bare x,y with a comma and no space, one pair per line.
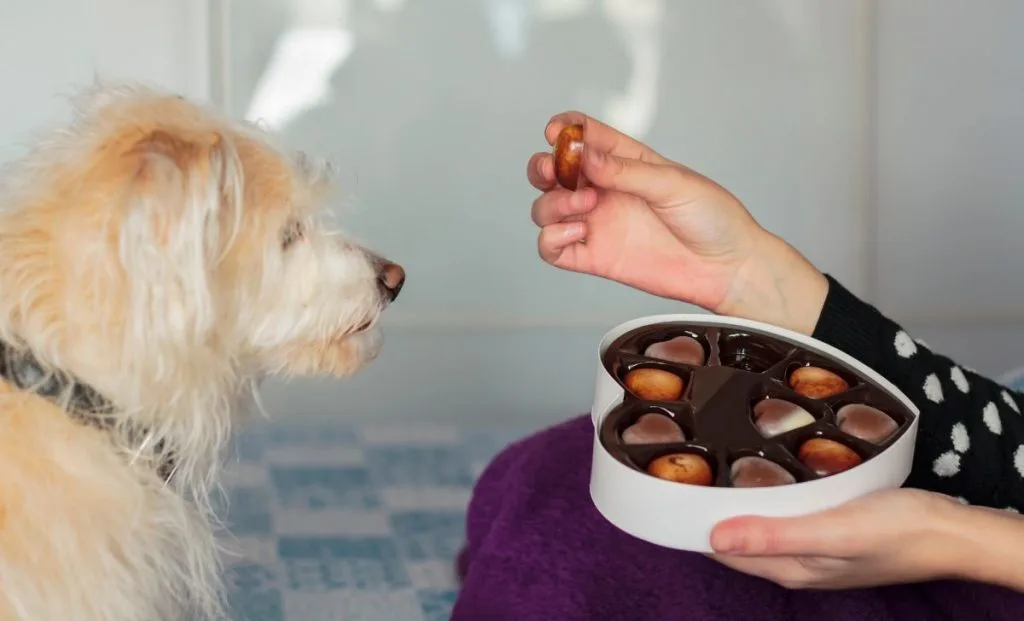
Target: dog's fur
168,257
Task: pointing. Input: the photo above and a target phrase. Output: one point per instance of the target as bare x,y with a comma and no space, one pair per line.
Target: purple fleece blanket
537,549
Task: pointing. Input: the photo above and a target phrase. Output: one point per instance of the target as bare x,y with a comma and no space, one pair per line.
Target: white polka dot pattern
959,380
970,442
947,464
991,417
1010,402
905,346
961,440
933,388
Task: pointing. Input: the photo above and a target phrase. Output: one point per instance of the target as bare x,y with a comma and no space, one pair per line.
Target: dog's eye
292,233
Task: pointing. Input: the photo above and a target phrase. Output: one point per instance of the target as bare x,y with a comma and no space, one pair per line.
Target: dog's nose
391,277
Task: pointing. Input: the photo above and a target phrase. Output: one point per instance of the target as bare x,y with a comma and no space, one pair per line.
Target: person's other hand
890,537
658,226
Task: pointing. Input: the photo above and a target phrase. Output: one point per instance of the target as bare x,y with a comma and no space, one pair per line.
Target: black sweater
971,433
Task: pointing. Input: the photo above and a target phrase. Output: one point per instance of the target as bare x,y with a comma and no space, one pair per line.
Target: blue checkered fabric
332,520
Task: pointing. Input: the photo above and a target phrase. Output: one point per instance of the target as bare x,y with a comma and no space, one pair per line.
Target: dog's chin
368,340
341,356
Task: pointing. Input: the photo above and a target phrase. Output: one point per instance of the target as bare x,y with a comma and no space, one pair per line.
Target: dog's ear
183,208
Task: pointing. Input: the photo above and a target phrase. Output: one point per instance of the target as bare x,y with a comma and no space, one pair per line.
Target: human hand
658,226
890,537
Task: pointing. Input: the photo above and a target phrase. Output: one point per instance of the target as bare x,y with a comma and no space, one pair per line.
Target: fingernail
724,545
725,541
596,156
574,230
577,200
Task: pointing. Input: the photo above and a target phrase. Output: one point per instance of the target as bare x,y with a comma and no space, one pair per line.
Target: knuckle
614,167
535,212
544,245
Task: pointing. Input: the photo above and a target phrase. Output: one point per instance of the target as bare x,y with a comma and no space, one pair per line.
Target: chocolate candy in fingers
568,157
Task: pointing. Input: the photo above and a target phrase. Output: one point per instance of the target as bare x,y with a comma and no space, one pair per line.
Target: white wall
50,47
879,137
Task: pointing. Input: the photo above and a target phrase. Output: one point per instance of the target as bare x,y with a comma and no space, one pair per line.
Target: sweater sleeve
971,433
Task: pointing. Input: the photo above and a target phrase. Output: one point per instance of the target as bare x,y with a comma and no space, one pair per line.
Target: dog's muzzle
390,278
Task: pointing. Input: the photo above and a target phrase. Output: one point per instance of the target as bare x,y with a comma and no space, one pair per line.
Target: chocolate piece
773,417
655,384
681,350
568,156
827,457
759,472
653,429
865,422
682,468
817,383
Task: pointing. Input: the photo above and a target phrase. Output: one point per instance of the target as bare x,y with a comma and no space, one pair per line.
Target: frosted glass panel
52,47
951,151
432,107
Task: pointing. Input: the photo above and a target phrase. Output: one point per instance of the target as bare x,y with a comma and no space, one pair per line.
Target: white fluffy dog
156,259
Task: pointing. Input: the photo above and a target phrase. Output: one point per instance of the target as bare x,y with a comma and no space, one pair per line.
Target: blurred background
884,139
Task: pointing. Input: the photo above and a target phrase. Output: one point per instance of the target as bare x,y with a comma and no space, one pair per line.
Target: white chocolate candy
775,416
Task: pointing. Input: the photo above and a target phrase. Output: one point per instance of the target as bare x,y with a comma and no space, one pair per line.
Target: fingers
552,207
540,171
602,137
658,184
785,571
554,239
761,536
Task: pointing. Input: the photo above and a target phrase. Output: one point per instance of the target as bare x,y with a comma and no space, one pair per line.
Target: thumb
658,184
811,535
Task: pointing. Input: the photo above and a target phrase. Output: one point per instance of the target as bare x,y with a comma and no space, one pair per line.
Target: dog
157,259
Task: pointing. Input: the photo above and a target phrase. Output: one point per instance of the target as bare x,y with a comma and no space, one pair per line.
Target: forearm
778,286
987,545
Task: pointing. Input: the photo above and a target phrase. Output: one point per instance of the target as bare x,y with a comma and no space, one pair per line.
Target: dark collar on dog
79,400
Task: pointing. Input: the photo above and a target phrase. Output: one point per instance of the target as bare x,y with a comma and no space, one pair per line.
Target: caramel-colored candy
827,457
682,468
817,383
655,384
569,156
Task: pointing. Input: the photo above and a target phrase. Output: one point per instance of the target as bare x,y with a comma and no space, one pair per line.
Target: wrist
984,545
779,286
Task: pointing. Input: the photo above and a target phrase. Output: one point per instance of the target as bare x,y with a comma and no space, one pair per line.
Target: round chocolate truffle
759,472
653,429
568,156
682,468
681,350
827,457
777,416
865,422
817,383
654,384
